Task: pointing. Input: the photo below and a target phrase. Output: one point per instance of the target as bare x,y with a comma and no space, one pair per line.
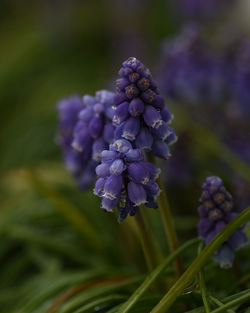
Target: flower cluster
216,211
94,130
125,180
214,85
85,129
241,78
200,9
190,71
141,115
77,163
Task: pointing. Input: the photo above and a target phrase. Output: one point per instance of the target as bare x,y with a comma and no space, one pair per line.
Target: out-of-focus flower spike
215,212
85,130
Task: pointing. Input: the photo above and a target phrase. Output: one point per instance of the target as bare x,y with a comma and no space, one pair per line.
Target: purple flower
93,131
202,9
68,110
240,81
125,180
216,211
78,163
85,130
191,72
140,115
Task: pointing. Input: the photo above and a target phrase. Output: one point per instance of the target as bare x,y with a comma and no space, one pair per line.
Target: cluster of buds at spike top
125,180
141,116
216,211
85,130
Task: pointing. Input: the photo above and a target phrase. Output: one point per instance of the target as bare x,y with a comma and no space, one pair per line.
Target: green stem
197,264
169,226
232,303
225,300
202,285
168,221
203,292
219,303
151,278
146,241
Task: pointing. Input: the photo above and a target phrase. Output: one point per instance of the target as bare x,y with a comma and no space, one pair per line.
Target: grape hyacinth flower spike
79,164
216,211
94,130
141,116
125,180
85,129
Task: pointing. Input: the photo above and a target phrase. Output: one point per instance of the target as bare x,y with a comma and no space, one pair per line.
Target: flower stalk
168,221
149,250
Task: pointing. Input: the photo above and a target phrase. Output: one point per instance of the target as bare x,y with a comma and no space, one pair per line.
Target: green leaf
59,284
151,278
103,302
96,291
233,303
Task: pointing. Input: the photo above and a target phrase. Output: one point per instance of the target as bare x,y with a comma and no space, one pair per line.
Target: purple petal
95,126
144,140
121,145
131,128
121,113
136,193
108,204
108,156
102,170
99,185
134,155
138,173
136,107
160,149
238,240
98,146
154,172
166,115
159,102
224,256
152,117
117,167
113,187
108,133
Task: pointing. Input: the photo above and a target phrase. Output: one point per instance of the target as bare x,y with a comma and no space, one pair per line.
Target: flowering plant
137,198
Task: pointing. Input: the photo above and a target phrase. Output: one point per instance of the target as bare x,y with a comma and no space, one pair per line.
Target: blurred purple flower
85,129
125,180
202,9
190,71
216,211
214,86
141,116
94,131
241,79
